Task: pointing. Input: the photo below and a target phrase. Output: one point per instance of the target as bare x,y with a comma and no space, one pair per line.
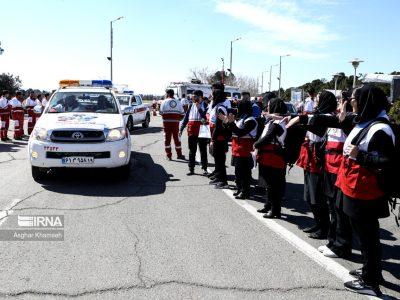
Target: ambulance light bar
128,92
89,83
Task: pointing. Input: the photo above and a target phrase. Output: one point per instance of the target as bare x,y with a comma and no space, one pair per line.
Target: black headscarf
277,106
267,97
218,94
370,100
327,103
245,109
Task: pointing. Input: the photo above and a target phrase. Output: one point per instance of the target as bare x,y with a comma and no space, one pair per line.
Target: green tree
10,83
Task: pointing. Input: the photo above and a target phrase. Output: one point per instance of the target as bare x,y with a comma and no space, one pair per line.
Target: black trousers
367,231
275,182
314,196
243,166
219,152
193,142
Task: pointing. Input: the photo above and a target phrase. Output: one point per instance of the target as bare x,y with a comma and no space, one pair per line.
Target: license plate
77,160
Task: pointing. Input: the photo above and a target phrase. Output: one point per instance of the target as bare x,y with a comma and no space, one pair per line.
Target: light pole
336,77
262,81
230,65
110,58
223,70
270,76
280,72
355,62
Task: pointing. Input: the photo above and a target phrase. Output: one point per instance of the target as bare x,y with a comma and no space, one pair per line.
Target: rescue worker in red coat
272,165
219,135
29,105
154,107
17,114
194,118
4,115
244,131
340,232
369,146
172,113
311,160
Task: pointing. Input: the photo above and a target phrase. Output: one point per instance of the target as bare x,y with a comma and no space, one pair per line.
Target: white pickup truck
134,110
82,126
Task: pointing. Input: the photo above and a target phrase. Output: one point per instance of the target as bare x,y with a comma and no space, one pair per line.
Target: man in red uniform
17,114
29,105
172,113
4,115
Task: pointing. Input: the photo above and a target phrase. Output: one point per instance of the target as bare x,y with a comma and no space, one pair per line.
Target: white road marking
8,210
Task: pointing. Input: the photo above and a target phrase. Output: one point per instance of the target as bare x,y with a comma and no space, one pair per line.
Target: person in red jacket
244,131
369,147
194,118
272,165
311,160
172,113
4,115
17,114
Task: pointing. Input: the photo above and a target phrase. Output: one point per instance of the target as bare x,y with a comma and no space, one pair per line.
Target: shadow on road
147,178
13,146
139,130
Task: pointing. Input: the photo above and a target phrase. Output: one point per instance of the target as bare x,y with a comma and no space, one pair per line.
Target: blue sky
160,41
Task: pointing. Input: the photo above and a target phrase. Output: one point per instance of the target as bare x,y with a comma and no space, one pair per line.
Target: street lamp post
355,62
336,77
262,81
223,70
110,58
280,72
270,76
230,64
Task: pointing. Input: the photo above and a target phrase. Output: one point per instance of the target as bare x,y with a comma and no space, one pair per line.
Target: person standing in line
219,136
311,161
29,105
368,148
194,118
4,115
172,113
310,102
270,156
244,131
17,114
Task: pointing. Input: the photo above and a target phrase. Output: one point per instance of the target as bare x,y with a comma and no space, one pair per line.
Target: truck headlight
116,134
40,134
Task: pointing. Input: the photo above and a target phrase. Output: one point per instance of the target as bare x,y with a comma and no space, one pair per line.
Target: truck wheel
146,122
129,124
38,173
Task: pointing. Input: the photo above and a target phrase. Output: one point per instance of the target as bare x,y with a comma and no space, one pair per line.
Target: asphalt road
164,235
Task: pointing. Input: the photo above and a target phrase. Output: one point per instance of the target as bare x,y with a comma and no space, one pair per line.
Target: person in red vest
29,105
272,165
4,115
17,114
368,147
311,160
194,118
219,135
172,113
244,131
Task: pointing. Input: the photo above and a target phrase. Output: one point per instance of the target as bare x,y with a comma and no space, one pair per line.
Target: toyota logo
77,135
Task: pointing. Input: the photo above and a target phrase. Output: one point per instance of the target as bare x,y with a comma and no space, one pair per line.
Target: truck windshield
83,102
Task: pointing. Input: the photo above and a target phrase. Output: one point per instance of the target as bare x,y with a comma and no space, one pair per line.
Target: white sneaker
322,248
329,253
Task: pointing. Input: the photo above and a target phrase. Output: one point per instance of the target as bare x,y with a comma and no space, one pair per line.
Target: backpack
387,177
294,139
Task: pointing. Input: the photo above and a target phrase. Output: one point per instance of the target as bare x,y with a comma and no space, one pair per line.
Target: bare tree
202,74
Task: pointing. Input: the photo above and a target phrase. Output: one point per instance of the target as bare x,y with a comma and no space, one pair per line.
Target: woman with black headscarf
244,131
368,148
219,136
272,165
311,160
